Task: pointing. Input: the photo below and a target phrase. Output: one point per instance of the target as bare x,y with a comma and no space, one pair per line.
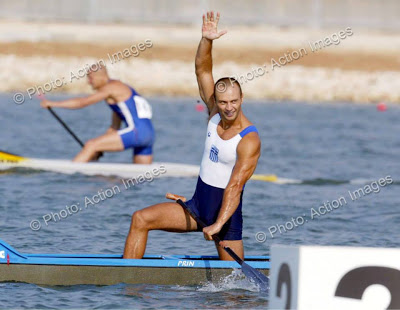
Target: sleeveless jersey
219,155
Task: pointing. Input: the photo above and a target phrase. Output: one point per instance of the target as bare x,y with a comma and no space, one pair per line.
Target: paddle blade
259,278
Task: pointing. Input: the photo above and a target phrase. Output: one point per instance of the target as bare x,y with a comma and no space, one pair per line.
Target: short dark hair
223,82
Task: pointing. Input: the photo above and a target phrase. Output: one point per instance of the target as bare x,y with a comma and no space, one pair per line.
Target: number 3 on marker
355,282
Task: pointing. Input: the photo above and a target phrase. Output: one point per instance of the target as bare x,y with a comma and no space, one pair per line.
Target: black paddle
69,130
260,279
65,126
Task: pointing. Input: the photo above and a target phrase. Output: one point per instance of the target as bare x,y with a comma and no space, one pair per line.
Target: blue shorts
206,204
141,139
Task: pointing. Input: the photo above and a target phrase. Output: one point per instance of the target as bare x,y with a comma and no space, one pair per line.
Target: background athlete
127,106
231,152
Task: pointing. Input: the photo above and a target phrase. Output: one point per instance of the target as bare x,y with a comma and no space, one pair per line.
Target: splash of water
235,281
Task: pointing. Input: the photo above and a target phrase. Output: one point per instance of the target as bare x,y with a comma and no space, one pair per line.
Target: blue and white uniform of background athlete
136,113
218,160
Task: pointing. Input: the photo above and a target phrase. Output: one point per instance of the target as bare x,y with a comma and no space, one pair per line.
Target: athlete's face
95,79
229,102
92,79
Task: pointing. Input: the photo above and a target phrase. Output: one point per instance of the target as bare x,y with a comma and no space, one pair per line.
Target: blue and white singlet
136,113
216,168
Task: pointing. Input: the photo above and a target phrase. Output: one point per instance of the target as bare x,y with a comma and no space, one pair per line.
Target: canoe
125,171
9,161
106,269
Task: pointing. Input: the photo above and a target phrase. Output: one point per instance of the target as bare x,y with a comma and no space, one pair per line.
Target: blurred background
63,36
311,13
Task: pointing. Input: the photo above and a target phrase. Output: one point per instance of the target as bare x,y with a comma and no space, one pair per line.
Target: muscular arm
248,152
203,60
78,103
204,75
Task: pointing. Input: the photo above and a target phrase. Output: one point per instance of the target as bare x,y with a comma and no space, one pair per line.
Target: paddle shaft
65,126
215,237
69,130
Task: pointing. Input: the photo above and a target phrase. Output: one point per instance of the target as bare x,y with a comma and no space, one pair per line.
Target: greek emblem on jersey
209,134
214,153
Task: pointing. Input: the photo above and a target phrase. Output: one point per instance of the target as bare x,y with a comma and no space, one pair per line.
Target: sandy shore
39,55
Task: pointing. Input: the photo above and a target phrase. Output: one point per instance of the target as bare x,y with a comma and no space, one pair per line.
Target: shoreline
360,67
177,78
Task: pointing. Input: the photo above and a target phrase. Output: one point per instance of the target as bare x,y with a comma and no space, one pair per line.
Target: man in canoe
231,153
127,106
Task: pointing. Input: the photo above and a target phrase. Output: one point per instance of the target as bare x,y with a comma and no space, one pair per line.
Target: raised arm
203,60
248,152
78,103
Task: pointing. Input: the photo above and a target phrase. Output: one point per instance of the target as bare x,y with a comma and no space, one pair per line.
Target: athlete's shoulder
249,128
111,86
116,84
251,138
250,143
249,148
117,90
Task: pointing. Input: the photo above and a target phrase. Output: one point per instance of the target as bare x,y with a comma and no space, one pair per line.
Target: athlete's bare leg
109,142
167,216
235,245
143,159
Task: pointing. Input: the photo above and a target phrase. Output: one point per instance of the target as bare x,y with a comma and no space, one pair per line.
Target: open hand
209,29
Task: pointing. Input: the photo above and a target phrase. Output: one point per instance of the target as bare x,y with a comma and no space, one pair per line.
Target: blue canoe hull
105,269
